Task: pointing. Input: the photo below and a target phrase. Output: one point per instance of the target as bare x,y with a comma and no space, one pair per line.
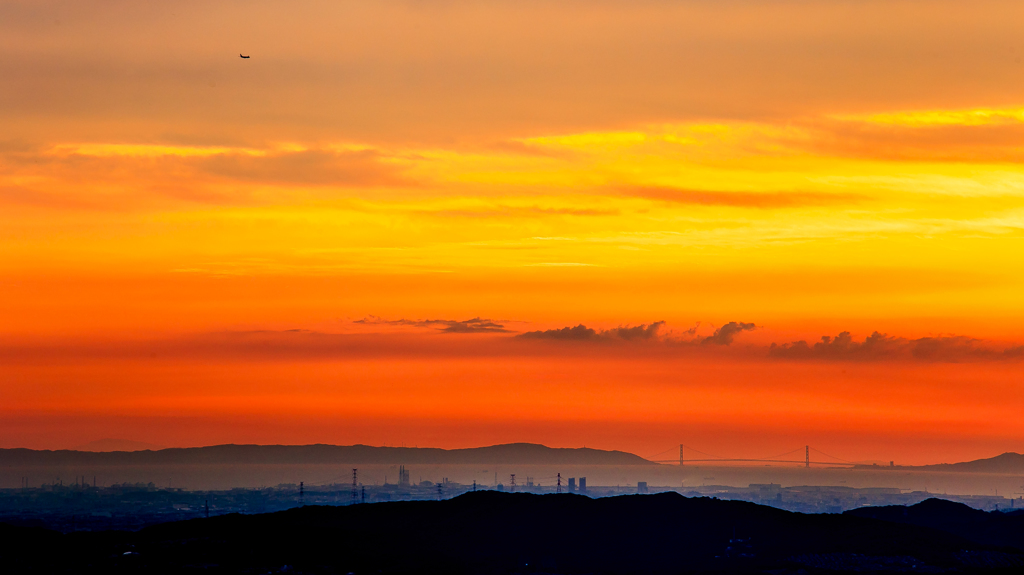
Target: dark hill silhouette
1005,463
497,533
512,453
972,524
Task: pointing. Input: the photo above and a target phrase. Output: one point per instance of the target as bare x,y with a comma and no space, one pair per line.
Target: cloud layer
646,332
725,334
475,325
642,332
880,346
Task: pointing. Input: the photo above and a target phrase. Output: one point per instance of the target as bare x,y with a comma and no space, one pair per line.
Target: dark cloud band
880,346
475,325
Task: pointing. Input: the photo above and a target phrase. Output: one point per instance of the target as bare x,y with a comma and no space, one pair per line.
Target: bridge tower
807,456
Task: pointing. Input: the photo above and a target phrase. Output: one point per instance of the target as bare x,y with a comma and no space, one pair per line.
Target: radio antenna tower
302,493
355,484
512,483
558,488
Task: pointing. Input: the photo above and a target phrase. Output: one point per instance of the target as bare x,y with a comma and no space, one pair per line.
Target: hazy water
217,477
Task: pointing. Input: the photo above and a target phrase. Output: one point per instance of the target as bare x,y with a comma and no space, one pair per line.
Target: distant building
403,476
583,484
572,485
767,492
641,487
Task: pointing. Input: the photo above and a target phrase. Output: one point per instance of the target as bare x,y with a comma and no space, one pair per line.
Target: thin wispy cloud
474,325
761,200
516,212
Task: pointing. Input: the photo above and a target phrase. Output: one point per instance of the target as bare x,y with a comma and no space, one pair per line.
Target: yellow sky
673,209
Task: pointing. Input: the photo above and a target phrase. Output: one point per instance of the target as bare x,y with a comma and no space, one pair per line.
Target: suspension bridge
831,460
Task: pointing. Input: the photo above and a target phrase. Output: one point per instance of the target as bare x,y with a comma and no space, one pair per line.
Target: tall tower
355,485
558,488
512,483
807,456
680,455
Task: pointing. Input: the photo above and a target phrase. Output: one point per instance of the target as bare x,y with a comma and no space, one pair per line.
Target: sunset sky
376,228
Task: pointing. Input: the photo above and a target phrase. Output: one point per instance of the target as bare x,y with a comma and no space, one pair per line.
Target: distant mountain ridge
1008,462
511,453
109,444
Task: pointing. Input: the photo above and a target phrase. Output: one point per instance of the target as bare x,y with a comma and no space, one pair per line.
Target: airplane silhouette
243,56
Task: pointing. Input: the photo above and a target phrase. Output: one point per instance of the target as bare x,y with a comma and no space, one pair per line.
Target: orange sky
169,211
